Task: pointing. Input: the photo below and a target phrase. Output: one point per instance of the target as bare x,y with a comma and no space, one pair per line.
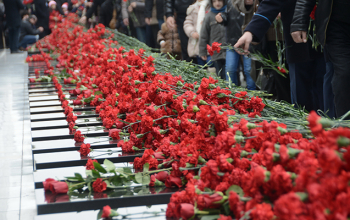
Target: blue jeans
306,84
232,62
203,62
28,39
141,34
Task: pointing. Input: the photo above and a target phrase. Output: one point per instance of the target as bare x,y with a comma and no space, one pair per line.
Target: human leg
247,62
220,68
183,38
141,34
14,38
338,48
232,60
28,39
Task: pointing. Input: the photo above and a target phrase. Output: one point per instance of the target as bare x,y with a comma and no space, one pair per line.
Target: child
234,20
192,27
169,41
213,32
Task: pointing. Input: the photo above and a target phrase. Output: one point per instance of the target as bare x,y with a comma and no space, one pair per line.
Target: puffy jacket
301,17
159,9
171,37
180,6
190,25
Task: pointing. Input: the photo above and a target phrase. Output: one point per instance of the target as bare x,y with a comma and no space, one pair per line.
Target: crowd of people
318,74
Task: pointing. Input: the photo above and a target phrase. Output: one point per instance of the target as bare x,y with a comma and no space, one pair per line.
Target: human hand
195,35
170,22
244,43
278,16
83,20
248,2
162,43
299,36
130,8
204,58
218,18
148,21
126,21
41,29
133,4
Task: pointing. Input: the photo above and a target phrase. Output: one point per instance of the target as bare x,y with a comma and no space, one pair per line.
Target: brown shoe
22,48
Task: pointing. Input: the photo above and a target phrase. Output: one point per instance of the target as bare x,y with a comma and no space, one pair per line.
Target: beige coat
190,25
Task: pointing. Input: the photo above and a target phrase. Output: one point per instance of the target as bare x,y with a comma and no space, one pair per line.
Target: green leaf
138,177
145,168
99,215
88,179
99,168
236,189
109,165
210,217
79,177
98,93
127,170
146,180
121,171
96,174
72,179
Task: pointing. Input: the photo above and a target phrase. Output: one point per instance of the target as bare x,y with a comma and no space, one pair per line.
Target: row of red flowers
258,171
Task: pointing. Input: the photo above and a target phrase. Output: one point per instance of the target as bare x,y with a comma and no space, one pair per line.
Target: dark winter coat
262,20
93,8
12,8
42,13
159,7
106,12
211,32
178,6
234,21
323,14
27,29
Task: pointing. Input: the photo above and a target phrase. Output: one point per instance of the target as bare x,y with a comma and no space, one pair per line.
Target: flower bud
117,94
195,108
179,84
202,102
343,141
137,82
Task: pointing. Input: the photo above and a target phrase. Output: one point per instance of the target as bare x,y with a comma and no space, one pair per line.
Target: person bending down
29,34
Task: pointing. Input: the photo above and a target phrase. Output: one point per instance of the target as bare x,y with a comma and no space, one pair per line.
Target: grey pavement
17,199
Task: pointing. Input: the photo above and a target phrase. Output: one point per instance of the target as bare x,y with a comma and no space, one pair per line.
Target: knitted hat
52,3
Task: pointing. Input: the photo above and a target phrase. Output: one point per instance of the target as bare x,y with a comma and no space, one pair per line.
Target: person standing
332,20
180,7
234,20
135,9
212,32
159,9
42,13
13,19
307,66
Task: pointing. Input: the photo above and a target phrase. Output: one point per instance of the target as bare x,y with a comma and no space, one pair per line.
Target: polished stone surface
17,197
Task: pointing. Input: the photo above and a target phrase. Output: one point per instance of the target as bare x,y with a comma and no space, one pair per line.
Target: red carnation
99,185
210,50
216,47
312,14
114,133
90,164
262,212
106,211
78,137
85,149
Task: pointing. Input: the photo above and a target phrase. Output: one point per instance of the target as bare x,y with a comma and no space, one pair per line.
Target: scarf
201,14
216,11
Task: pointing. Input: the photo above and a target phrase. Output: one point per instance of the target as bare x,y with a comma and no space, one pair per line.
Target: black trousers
14,37
220,68
183,38
338,49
